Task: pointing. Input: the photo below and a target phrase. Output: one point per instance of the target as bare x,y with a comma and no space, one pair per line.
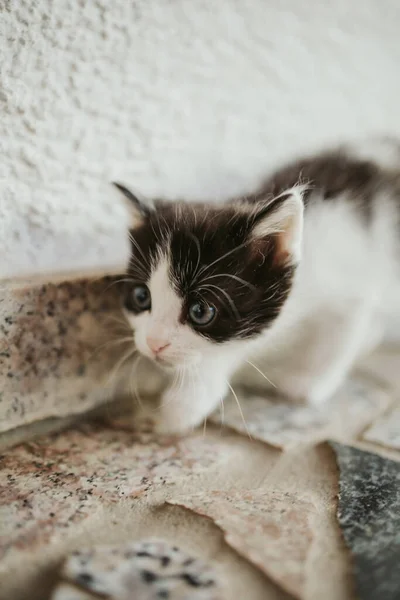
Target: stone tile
285,425
48,486
53,357
369,515
386,430
146,570
271,529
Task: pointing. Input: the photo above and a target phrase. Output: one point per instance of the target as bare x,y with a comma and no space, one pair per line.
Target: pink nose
156,345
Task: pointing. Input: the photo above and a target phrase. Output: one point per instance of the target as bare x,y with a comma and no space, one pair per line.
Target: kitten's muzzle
157,346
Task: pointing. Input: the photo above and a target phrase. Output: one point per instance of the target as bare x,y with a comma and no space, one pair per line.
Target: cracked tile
369,515
271,529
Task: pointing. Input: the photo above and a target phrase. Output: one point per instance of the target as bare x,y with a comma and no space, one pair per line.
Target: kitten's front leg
189,400
315,370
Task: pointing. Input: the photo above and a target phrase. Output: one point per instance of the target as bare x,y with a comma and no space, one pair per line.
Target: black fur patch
213,258
330,175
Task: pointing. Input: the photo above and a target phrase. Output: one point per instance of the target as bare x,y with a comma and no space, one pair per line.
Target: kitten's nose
156,345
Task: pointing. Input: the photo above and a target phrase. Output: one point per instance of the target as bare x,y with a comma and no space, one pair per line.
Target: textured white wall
194,98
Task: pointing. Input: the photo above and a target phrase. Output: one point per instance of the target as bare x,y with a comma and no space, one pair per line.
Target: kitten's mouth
162,362
171,363
168,365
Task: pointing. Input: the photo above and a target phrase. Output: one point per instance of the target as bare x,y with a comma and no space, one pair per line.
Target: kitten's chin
175,364
164,364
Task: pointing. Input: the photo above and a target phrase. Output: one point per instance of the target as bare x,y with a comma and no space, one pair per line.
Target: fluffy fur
303,277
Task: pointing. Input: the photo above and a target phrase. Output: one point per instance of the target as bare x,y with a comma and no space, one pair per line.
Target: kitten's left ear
282,218
138,209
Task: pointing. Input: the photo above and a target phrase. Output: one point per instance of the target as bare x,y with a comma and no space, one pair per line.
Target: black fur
143,209
215,242
330,175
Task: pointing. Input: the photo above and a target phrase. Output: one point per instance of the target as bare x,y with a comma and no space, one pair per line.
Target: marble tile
146,570
50,485
369,516
285,425
53,357
273,530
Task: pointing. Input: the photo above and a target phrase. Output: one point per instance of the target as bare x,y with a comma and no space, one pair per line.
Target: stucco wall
194,98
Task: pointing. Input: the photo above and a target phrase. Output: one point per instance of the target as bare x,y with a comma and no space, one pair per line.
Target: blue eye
140,298
201,313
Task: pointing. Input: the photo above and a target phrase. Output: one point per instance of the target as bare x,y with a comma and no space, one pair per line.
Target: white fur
202,368
345,294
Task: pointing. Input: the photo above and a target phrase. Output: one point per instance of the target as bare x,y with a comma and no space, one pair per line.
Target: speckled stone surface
52,358
49,486
146,570
369,515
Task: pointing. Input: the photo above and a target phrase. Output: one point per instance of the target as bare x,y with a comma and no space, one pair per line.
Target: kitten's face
202,279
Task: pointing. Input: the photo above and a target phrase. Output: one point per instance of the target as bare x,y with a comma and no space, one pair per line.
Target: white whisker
240,410
119,364
111,343
204,427
137,246
261,373
140,269
227,296
119,321
139,265
196,241
176,384
206,267
222,412
235,277
125,279
134,376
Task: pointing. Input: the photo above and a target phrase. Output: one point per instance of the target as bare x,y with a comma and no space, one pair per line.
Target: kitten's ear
138,209
282,218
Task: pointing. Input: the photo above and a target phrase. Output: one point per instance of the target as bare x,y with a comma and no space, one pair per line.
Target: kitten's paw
175,422
165,421
174,429
151,427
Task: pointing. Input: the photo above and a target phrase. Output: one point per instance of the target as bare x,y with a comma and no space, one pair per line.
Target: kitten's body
300,294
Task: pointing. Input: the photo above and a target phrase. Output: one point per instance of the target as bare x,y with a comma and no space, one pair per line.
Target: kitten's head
205,277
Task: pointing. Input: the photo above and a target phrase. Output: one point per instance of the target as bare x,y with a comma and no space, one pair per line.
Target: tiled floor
235,516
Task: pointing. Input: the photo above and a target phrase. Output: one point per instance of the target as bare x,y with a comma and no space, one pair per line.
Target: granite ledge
55,360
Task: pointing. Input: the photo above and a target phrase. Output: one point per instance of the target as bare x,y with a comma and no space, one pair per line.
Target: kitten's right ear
138,209
282,217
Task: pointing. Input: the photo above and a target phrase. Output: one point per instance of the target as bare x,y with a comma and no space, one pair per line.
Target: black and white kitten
301,277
